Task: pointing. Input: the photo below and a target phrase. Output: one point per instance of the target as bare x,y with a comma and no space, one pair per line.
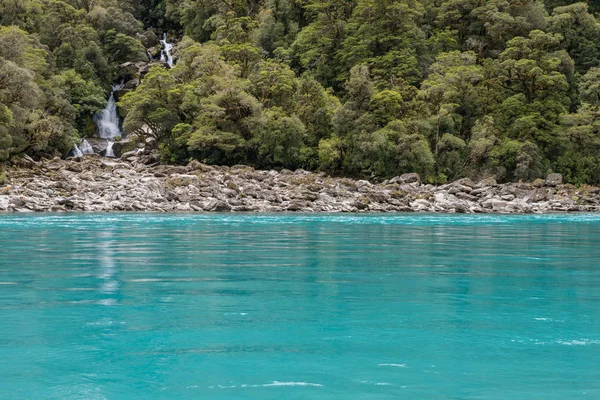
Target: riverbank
95,184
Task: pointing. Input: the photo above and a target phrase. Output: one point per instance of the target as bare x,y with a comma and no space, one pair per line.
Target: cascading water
109,150
81,150
76,152
108,119
86,148
166,55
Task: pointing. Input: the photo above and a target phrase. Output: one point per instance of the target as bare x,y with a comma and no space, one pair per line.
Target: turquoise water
152,306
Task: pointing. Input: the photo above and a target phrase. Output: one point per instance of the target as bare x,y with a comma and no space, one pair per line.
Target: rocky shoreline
95,184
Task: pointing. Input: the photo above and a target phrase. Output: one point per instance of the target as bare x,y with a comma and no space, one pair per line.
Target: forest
508,89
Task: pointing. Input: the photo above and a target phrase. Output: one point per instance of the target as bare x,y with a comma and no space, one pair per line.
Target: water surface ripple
155,306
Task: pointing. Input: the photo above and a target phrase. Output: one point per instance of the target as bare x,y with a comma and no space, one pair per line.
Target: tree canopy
372,88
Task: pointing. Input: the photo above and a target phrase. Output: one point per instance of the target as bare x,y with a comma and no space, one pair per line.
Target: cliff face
100,184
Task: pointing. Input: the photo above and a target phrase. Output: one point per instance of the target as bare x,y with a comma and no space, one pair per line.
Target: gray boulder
410,178
553,180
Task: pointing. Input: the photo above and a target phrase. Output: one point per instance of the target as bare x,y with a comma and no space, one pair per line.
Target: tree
317,45
534,73
385,35
455,98
274,84
280,140
580,133
225,126
580,32
398,148
315,107
150,112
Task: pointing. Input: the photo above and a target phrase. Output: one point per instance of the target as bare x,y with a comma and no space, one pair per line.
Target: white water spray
109,150
108,119
77,152
86,148
166,55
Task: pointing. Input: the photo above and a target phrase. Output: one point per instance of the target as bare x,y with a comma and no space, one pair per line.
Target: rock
24,161
447,203
221,206
155,52
466,196
494,204
360,204
131,84
480,191
421,205
554,180
99,145
487,182
296,206
593,190
123,146
17,202
148,39
499,205
539,195
97,184
462,188
410,178
465,182
194,165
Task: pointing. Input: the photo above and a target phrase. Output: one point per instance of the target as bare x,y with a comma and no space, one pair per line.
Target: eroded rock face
97,184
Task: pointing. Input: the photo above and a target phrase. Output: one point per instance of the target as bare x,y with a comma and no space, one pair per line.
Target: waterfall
108,119
86,148
150,58
83,149
166,55
109,150
76,152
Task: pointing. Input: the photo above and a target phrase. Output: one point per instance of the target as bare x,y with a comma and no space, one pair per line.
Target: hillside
365,88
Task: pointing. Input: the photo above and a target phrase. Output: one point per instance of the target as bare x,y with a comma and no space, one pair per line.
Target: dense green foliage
446,88
57,59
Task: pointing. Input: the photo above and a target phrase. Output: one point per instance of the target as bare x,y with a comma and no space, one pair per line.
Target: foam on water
392,365
272,384
578,342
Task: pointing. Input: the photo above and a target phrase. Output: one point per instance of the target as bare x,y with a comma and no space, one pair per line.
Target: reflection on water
107,268
280,306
